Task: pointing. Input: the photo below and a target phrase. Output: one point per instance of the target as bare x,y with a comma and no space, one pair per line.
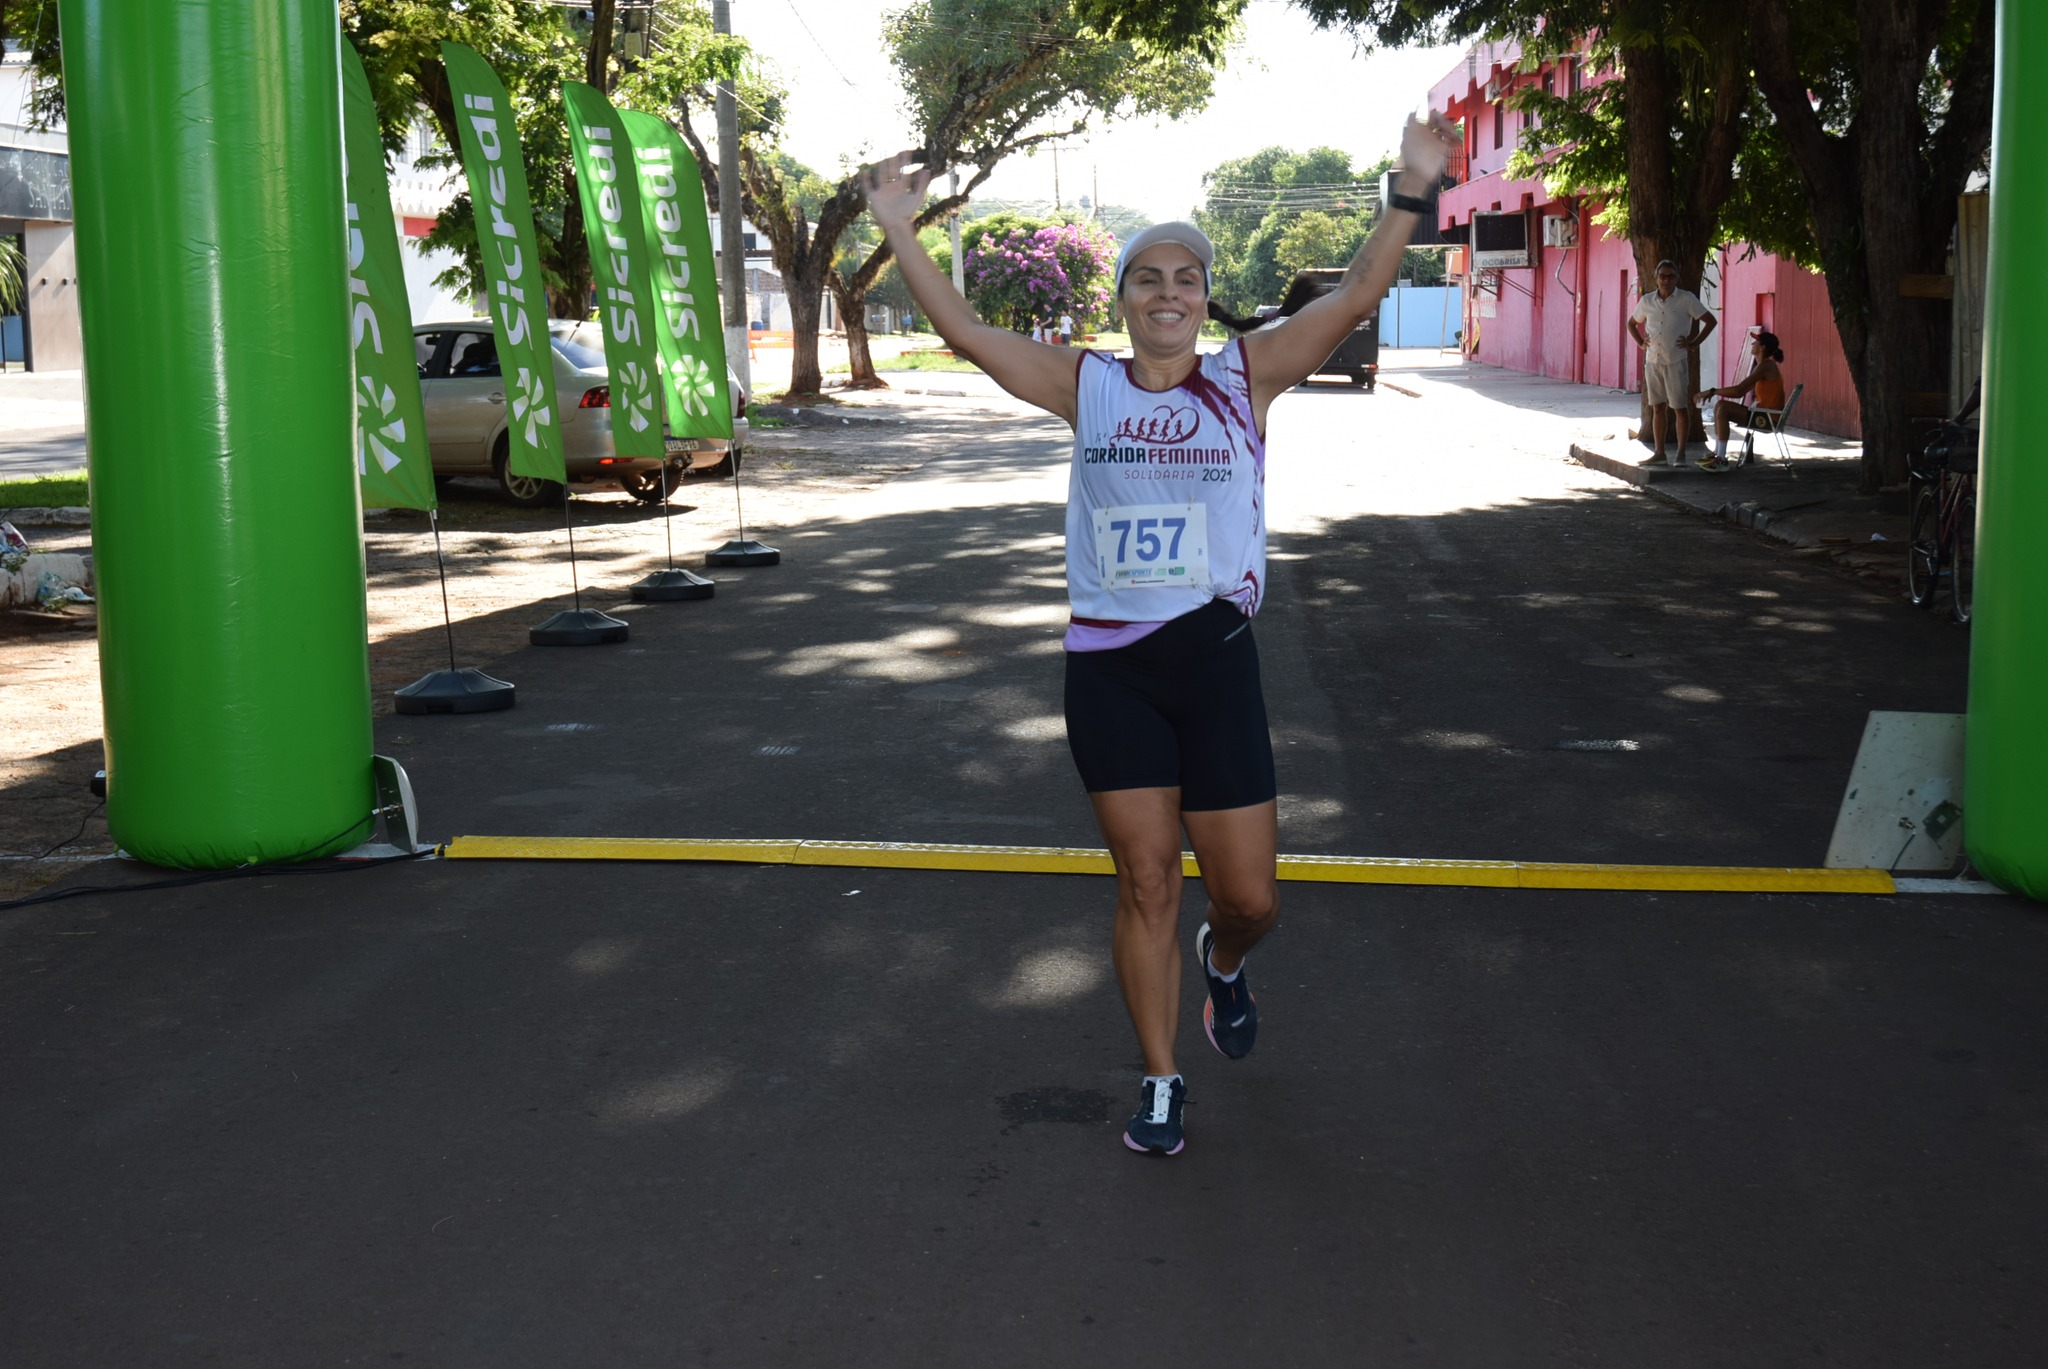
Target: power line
823,51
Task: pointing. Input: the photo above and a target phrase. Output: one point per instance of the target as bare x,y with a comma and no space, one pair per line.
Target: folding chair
1772,421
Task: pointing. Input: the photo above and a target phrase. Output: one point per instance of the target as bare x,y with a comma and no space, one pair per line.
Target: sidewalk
1808,502
42,423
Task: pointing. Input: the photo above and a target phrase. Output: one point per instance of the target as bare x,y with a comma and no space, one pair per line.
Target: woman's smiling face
1165,298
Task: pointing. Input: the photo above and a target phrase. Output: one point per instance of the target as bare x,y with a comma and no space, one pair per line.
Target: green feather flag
504,228
685,277
618,265
391,428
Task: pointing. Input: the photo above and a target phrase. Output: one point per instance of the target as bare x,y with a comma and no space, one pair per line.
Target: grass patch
43,492
765,423
913,361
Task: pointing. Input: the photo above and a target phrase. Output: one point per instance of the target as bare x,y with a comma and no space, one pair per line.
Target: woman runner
1166,564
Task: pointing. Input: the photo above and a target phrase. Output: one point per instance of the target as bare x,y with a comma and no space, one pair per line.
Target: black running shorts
1179,707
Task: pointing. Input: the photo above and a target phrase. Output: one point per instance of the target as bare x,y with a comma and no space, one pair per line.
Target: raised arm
1035,372
1283,356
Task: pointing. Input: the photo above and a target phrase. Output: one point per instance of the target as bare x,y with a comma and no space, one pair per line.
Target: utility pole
731,250
1056,200
1095,204
953,229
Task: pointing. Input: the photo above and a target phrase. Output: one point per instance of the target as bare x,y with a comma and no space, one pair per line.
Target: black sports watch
1411,203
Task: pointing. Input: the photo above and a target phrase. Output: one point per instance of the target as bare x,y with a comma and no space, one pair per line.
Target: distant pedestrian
1764,377
1066,330
1668,324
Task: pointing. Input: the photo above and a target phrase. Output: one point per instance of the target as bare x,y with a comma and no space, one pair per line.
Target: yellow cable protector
1073,860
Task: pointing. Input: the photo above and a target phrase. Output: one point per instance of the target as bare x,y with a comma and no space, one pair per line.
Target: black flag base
468,690
667,586
743,552
578,627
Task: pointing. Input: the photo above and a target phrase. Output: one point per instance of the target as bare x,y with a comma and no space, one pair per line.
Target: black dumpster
1357,356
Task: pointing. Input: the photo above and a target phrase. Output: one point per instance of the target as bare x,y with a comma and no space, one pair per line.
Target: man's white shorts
1664,382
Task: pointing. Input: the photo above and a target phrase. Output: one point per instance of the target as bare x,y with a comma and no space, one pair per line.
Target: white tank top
1166,501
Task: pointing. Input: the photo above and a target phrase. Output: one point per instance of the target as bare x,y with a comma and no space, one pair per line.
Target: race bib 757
1138,546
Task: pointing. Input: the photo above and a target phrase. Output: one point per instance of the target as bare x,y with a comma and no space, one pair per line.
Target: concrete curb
69,515
1621,470
1747,514
77,516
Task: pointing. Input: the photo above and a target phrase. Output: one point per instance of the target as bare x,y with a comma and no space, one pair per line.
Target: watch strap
1411,203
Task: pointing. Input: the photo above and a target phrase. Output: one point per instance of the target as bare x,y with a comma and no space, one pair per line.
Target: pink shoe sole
1209,1024
1147,1150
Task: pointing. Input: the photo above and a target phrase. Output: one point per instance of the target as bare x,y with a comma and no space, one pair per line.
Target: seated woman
1764,378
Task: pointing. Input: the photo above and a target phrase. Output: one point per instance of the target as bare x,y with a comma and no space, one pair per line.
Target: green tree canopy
1251,203
533,46
984,80
1838,132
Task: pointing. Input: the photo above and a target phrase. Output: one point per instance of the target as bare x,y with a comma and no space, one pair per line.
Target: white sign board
1904,806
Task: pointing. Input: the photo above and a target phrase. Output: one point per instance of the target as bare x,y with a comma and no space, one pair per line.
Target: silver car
466,416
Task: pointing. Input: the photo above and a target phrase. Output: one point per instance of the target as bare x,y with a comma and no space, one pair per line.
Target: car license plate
675,445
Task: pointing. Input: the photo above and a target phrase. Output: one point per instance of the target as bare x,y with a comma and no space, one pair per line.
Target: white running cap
1186,234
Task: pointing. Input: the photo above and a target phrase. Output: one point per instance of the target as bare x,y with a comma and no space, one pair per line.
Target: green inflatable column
213,283
2005,803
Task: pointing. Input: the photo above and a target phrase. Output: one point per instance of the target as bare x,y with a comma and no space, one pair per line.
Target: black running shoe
1231,1016
1156,1128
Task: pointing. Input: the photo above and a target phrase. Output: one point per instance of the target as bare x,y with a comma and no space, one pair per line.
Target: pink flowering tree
1024,277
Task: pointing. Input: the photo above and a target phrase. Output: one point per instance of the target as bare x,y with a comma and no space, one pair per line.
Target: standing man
1668,324
1066,330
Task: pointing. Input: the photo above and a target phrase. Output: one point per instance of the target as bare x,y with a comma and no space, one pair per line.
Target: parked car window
474,355
432,353
581,344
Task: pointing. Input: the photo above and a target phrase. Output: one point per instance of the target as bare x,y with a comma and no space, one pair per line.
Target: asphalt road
507,1114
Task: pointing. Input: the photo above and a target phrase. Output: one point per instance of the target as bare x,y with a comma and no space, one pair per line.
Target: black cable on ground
292,866
75,835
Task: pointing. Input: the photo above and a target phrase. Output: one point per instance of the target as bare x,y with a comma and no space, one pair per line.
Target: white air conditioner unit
1493,90
1560,230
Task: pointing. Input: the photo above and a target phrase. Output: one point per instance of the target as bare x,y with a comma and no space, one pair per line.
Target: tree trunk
853,317
571,298
806,291
1902,345
1883,198
1665,224
598,61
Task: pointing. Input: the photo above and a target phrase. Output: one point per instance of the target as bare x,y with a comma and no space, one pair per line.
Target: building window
1549,90
1499,123
1575,74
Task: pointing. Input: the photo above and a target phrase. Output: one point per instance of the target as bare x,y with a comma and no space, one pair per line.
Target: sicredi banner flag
686,319
504,231
391,427
618,266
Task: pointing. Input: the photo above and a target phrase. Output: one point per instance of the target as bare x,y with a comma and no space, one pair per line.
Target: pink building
1563,310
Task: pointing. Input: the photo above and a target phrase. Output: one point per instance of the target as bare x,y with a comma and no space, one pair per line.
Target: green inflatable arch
206,171
2005,799
206,146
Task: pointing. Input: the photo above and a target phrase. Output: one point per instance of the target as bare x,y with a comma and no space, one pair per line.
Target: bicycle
1941,538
